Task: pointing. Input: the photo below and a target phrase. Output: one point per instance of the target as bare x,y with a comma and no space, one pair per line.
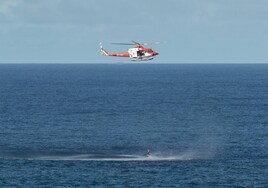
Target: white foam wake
93,157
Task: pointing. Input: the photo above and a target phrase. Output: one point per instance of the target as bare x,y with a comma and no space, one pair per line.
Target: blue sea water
85,125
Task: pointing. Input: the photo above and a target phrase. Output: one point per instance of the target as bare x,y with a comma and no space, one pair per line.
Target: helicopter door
140,53
133,52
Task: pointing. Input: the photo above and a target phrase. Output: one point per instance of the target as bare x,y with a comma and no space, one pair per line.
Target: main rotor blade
119,43
135,42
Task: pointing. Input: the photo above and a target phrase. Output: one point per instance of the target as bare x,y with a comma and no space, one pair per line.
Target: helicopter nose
156,53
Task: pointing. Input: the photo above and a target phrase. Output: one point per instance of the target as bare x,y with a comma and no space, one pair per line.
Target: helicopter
137,53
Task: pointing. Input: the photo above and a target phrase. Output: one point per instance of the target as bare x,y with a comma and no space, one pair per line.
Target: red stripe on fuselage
119,54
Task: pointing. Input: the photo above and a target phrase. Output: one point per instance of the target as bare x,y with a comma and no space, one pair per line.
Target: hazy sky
69,31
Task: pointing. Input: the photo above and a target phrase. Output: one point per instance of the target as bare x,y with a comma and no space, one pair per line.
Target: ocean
89,125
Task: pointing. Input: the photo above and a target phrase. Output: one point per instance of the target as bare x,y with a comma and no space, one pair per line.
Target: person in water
148,153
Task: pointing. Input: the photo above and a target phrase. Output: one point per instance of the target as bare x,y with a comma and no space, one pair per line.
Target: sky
189,31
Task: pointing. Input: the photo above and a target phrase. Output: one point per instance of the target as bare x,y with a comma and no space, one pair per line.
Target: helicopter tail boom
118,54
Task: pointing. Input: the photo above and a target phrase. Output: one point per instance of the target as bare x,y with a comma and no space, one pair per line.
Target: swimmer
148,153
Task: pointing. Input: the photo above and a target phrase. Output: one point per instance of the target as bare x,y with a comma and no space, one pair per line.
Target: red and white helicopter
137,53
